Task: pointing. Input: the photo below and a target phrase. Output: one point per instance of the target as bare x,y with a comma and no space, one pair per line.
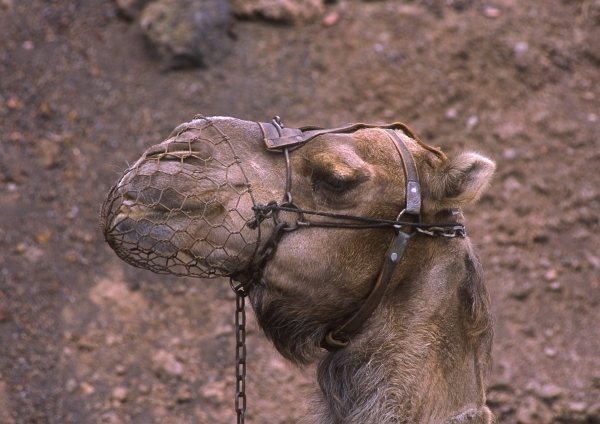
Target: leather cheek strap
340,337
413,188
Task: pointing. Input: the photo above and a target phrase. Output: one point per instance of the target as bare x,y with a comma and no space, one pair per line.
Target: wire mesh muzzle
185,207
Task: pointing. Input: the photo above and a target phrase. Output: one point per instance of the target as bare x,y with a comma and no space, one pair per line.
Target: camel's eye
335,175
335,183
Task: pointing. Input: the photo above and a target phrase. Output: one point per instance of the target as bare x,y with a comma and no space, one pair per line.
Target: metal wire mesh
185,207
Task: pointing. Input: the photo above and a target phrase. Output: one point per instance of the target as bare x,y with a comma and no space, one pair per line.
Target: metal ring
290,205
333,342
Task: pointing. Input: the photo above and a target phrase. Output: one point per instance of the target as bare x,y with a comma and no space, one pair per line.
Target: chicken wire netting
185,207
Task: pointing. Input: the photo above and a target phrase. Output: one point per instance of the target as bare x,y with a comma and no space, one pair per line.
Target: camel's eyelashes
332,183
336,183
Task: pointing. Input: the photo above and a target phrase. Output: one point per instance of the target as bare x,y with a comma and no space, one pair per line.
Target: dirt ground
86,338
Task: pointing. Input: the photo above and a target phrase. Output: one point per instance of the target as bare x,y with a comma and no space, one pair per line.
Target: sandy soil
86,338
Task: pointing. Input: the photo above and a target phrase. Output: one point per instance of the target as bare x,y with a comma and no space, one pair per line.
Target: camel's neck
389,377
415,362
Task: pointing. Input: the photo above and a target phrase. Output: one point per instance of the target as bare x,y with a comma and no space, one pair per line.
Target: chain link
240,354
271,210
456,231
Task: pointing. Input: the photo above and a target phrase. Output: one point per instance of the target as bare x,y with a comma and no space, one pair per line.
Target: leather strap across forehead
293,138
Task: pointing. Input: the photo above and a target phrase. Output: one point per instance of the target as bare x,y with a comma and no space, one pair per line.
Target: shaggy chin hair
297,333
285,320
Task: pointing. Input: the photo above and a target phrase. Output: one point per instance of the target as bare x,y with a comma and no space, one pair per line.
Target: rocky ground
86,86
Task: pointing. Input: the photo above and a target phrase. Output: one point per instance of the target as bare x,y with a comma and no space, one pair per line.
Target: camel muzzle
185,207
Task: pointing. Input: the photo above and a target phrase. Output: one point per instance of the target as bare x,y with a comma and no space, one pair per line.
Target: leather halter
279,139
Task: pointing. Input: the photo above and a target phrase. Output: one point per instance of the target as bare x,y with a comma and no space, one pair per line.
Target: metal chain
240,354
437,229
241,291
456,231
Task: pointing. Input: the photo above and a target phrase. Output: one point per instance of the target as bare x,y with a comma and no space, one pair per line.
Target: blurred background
87,86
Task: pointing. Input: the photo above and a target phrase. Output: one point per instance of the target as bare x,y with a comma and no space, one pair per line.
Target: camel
206,202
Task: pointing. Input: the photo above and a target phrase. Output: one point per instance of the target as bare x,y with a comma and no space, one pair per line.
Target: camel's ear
461,181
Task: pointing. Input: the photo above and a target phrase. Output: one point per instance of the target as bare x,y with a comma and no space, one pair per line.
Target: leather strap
293,138
273,141
340,337
280,139
413,188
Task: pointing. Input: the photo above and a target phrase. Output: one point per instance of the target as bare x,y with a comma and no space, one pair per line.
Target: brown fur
423,354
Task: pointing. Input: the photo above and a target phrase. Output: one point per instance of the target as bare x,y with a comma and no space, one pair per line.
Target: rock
591,11
71,385
498,398
577,407
593,412
563,127
111,293
214,392
130,9
593,260
120,393
5,315
491,12
331,19
144,389
31,253
532,411
550,275
109,417
6,5
184,394
521,291
43,236
288,11
87,388
188,33
555,286
549,392
49,152
591,47
164,364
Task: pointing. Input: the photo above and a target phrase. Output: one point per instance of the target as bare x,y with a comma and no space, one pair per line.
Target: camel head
197,205
186,208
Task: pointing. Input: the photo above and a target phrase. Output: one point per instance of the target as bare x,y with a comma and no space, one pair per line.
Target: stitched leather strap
340,337
413,188
293,138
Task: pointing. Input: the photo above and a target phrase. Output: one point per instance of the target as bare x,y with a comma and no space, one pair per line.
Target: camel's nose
184,207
